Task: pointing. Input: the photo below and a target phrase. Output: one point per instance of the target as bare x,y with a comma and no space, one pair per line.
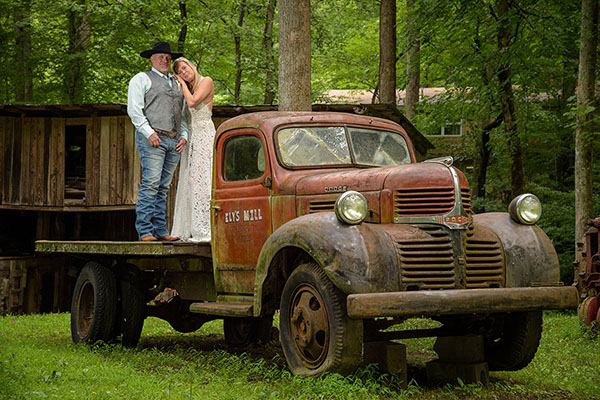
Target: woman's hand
180,80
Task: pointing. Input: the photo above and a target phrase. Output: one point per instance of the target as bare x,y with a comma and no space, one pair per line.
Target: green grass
38,360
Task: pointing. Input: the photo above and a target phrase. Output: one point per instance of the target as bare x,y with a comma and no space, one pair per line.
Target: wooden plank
104,161
3,141
119,148
45,187
15,156
36,160
129,151
225,309
56,167
137,170
112,183
9,160
92,157
24,147
77,121
89,128
137,248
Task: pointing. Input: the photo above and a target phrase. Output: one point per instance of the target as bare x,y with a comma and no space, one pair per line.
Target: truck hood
428,175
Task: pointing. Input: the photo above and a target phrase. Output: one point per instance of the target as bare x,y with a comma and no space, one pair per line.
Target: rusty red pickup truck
328,221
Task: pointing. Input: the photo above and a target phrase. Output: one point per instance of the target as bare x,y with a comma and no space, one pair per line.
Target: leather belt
168,133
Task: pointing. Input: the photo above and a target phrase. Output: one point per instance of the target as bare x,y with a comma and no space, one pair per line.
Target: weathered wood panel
120,148
3,140
33,155
92,166
24,148
40,167
129,151
56,169
104,169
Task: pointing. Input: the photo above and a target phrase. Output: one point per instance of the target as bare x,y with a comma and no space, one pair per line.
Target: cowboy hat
160,47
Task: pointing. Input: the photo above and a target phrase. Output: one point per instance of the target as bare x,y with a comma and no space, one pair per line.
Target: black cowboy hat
160,47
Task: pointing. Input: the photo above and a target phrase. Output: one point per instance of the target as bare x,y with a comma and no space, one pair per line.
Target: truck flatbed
124,248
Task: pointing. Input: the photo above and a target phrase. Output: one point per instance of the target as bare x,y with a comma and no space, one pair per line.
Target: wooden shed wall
32,157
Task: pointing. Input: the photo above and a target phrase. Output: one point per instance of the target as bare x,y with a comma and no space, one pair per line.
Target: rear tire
316,333
516,342
94,305
132,310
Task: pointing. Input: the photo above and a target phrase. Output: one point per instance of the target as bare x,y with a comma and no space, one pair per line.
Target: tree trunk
387,52
481,163
507,102
23,64
413,63
238,52
294,55
79,40
585,118
269,54
183,29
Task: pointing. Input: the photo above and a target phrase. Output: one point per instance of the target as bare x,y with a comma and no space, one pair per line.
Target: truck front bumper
464,301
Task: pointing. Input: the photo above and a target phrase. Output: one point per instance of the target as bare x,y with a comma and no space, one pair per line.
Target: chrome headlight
525,209
351,207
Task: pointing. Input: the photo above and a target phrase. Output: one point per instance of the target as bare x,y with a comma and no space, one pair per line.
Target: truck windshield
307,146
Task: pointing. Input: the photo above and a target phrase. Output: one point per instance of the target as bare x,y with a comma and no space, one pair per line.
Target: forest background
84,51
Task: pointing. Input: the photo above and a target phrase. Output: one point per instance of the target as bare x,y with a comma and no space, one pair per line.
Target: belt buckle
171,134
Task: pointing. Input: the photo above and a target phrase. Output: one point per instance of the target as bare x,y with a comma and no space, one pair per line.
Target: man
156,107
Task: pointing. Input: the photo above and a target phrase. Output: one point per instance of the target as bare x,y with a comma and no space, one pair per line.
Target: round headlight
351,207
525,209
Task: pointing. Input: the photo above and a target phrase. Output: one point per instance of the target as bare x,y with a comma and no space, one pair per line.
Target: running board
223,309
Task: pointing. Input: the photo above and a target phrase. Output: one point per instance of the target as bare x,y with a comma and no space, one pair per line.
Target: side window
244,158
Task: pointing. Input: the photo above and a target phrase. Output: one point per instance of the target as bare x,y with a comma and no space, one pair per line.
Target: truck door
241,212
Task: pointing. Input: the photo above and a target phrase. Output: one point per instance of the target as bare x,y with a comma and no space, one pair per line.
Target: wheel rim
309,325
85,309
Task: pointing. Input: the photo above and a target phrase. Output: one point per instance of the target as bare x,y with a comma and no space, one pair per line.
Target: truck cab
329,220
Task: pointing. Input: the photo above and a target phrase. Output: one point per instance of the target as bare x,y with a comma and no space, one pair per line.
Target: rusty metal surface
454,302
357,259
529,254
123,248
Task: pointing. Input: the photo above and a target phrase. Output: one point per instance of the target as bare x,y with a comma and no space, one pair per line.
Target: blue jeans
158,166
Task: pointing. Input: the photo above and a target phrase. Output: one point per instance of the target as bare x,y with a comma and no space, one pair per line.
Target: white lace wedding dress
191,219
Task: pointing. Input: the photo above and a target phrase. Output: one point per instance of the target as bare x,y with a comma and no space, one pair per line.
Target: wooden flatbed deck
124,248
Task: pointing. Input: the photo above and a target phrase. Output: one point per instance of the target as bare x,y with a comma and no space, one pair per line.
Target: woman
191,220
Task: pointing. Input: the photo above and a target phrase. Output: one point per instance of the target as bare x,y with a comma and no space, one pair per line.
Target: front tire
316,333
94,305
516,341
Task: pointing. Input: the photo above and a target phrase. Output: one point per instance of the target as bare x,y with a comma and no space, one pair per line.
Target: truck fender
356,258
529,254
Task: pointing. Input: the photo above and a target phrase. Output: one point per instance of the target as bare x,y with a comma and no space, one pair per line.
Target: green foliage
39,360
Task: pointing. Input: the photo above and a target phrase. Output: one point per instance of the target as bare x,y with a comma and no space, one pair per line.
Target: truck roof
270,120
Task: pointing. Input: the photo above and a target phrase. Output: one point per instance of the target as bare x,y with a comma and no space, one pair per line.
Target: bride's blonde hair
193,85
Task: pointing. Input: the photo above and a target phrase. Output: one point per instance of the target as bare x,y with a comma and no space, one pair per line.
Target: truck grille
484,260
423,201
428,263
466,199
316,206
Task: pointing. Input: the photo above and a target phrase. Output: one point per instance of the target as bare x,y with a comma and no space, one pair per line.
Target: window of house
451,129
244,158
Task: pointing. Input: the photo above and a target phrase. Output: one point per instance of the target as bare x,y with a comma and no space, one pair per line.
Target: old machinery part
525,209
351,208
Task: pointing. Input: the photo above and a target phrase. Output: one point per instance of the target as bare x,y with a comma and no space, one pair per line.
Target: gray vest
163,103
